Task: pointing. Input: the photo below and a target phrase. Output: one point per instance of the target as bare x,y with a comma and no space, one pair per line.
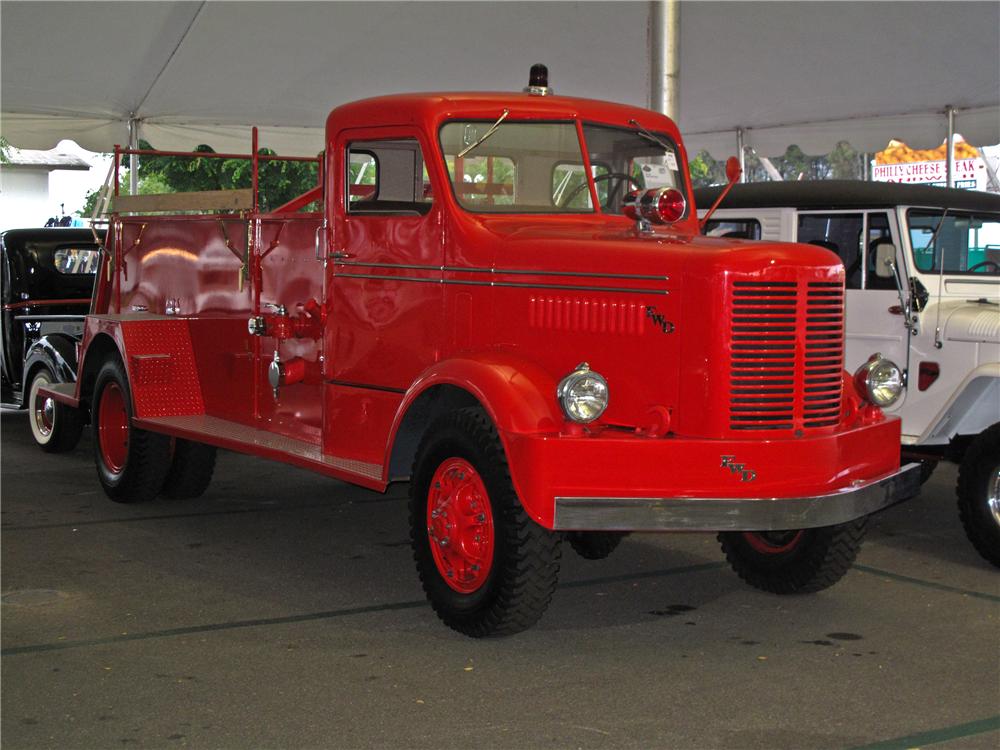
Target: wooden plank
207,200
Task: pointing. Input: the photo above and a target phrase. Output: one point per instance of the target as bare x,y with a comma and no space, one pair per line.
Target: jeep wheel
595,545
191,470
979,493
131,463
55,427
794,562
486,567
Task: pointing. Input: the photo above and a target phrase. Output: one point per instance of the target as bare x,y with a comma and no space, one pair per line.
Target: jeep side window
840,233
740,229
386,177
878,231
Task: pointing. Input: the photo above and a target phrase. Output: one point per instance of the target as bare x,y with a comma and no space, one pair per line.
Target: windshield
624,160
515,169
968,243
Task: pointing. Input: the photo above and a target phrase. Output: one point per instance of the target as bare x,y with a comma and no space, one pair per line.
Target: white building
24,186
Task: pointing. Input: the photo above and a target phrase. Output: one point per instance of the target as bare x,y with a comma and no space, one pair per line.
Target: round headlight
583,394
880,381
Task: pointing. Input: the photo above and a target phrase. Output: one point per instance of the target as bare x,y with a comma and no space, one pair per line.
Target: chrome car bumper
736,514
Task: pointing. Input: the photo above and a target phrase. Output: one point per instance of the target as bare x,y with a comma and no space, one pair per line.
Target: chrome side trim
510,284
512,271
735,514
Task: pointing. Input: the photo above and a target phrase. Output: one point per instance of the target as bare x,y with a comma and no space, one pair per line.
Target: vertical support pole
950,163
133,160
741,154
254,163
866,166
664,57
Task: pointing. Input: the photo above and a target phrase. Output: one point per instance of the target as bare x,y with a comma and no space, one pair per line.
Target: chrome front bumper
736,514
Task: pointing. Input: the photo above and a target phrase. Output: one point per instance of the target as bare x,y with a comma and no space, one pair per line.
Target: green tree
278,181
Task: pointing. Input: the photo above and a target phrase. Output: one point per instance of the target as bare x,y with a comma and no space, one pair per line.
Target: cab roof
433,109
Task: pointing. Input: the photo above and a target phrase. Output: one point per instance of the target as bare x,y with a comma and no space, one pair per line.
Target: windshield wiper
647,135
486,135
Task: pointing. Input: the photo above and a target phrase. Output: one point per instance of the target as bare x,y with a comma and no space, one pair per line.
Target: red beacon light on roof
654,206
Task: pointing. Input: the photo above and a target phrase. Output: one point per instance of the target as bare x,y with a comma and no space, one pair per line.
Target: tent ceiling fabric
787,72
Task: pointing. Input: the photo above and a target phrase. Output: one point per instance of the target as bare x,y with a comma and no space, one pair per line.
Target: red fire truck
504,299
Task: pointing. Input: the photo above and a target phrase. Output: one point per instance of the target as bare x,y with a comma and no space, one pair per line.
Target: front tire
794,562
595,545
55,427
131,463
486,567
979,493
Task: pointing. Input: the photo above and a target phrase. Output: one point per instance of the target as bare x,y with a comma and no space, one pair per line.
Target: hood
615,248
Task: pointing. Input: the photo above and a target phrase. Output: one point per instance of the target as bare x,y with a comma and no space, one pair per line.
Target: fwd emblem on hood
659,321
745,473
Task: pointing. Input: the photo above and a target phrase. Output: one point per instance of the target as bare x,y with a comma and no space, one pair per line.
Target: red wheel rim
460,525
112,426
772,542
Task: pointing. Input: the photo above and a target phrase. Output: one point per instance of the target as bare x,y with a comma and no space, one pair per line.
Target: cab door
384,291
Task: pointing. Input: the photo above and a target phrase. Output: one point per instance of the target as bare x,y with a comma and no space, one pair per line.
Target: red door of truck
383,284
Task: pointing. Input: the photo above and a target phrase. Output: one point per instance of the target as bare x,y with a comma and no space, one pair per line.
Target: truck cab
923,290
505,300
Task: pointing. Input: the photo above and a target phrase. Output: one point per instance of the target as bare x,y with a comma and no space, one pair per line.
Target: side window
362,176
878,231
387,177
840,233
76,260
740,229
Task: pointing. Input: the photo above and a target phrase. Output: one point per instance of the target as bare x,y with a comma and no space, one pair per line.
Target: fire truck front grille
786,354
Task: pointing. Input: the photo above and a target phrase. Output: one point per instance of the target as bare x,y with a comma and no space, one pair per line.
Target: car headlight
583,394
879,380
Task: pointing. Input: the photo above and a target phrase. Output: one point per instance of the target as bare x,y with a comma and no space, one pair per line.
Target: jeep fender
519,396
56,352
973,407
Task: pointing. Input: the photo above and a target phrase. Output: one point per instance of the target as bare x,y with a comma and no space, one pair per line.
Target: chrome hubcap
993,494
43,411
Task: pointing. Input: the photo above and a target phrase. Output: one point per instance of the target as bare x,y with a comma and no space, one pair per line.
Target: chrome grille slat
786,354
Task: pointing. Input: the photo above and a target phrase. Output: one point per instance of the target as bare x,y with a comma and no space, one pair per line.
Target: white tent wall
809,73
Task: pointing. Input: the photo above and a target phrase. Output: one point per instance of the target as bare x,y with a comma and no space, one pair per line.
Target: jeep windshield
538,167
968,243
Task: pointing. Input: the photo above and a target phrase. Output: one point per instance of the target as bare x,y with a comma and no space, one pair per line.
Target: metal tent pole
664,56
741,154
950,163
133,160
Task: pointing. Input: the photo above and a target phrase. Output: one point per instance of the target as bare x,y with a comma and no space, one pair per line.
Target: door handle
341,256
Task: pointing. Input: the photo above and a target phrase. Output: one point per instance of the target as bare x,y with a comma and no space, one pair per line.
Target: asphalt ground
282,610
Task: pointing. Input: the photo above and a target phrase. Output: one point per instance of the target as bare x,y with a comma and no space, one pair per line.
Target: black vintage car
48,279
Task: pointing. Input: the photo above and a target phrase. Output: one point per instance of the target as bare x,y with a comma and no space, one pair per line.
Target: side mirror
885,260
733,169
733,172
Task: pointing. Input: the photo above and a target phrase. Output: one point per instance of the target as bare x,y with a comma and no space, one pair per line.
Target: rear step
245,439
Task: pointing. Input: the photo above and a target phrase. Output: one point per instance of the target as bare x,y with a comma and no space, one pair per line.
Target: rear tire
190,470
131,463
486,567
979,493
55,427
595,545
794,562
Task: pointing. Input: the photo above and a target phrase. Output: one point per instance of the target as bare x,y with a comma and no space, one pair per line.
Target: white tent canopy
203,72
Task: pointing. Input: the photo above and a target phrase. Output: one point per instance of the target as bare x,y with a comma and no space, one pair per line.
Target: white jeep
938,321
